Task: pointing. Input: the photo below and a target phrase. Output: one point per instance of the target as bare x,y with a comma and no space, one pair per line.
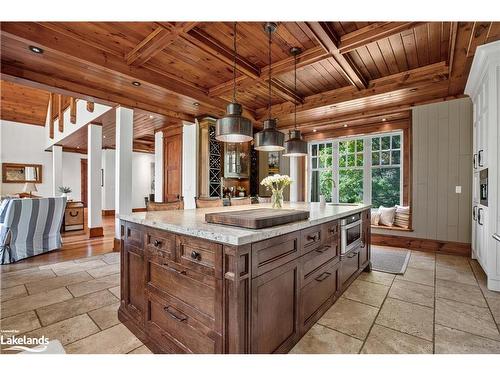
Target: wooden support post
72,110
60,113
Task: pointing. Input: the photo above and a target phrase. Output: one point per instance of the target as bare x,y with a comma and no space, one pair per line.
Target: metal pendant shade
270,138
233,127
295,145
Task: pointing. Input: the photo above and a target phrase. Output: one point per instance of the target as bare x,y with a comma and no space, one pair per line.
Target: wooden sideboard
182,294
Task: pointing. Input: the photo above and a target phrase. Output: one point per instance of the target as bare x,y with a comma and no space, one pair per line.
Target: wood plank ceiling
347,71
23,104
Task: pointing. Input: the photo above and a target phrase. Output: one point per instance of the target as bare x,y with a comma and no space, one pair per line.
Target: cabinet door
172,144
133,284
275,310
482,235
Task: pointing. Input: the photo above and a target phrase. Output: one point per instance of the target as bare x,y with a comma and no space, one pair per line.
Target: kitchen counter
192,222
188,286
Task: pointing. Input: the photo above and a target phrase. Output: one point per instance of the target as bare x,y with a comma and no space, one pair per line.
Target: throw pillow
375,217
402,217
387,215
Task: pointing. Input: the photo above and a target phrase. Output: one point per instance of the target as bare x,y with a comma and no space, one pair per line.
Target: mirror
21,173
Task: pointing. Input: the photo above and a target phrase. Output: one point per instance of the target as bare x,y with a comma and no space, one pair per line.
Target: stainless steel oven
350,233
483,187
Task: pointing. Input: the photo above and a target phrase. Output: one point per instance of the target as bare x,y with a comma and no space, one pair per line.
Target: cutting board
257,218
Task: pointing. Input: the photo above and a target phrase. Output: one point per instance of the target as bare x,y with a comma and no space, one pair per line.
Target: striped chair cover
30,227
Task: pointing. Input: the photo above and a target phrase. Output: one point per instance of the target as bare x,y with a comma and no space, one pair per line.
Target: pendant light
269,139
233,127
295,146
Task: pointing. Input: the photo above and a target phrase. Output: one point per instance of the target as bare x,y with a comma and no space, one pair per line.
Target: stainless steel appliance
483,187
350,233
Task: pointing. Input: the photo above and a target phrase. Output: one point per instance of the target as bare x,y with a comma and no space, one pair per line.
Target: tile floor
440,305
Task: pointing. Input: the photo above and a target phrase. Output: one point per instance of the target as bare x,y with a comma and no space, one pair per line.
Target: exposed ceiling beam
251,72
58,86
409,79
36,34
164,35
307,57
326,37
372,33
213,47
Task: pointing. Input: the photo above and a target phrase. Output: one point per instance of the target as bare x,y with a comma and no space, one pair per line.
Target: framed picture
273,163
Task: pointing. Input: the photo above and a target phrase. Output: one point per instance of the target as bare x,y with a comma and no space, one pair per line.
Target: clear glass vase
277,198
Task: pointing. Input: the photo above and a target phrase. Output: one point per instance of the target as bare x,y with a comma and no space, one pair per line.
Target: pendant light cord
295,90
269,111
234,62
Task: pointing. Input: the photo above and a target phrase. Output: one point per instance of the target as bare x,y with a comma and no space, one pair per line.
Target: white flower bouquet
276,183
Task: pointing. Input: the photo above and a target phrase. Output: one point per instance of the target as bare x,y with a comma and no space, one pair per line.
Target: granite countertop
192,222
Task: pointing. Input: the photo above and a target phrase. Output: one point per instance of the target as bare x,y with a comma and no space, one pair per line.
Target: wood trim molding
116,244
96,232
112,212
421,244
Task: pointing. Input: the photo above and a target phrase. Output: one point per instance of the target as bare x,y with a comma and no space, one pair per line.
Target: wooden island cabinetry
184,294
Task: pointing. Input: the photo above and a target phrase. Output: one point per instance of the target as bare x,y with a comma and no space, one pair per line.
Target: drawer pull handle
323,249
312,237
170,311
352,255
183,272
157,243
196,255
73,213
323,276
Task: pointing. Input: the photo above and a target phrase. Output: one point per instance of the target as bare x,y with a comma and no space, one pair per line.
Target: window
386,170
365,169
351,160
321,171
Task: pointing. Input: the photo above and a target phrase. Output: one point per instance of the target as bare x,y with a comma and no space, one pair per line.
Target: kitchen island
188,286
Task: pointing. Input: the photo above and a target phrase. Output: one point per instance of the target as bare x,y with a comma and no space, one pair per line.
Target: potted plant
64,190
241,191
276,183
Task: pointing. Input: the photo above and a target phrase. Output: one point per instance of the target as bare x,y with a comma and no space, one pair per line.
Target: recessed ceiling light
345,125
413,90
136,83
35,49
104,136
315,130
196,104
77,146
384,119
151,116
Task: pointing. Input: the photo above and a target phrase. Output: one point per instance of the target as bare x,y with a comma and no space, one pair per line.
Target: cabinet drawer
199,255
314,259
160,244
317,292
193,289
176,329
311,239
348,265
330,230
274,252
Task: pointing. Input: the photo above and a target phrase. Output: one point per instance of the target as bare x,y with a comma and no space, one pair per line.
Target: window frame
367,162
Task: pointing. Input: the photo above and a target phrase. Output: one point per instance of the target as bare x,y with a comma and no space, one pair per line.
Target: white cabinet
483,87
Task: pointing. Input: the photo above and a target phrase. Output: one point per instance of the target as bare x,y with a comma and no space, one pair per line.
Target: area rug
389,260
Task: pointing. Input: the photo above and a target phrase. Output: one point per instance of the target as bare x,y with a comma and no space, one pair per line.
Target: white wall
189,164
141,179
22,143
